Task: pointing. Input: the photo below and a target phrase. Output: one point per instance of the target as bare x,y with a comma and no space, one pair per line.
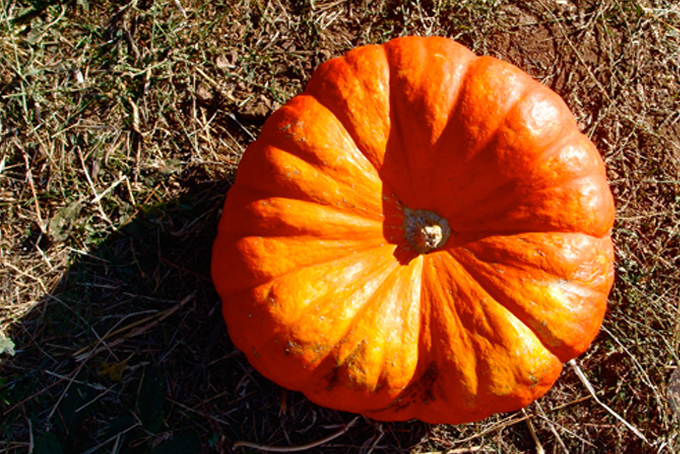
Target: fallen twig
551,426
314,444
128,331
532,431
591,390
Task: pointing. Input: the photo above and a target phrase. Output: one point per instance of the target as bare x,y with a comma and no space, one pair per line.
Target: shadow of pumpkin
130,354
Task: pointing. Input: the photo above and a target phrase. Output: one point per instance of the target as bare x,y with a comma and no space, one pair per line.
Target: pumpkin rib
508,304
548,173
249,241
322,367
554,345
413,101
343,126
282,215
502,182
422,387
440,328
348,351
300,114
336,256
395,144
476,74
514,117
507,217
353,134
294,149
346,193
339,103
566,127
385,274
473,149
332,212
551,257
539,159
408,315
505,177
368,272
281,316
471,333
565,348
405,178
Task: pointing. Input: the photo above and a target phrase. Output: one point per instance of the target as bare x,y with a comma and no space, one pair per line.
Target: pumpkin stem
425,230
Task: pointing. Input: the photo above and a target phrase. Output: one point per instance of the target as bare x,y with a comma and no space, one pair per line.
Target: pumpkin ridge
526,86
352,132
392,146
411,273
537,160
421,382
469,383
451,124
525,237
425,77
519,396
242,317
490,145
272,220
460,238
553,148
338,257
550,342
351,135
526,216
498,297
299,193
385,272
472,384
471,151
298,160
375,298
332,210
395,150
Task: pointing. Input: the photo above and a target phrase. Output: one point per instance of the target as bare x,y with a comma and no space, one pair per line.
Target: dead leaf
673,392
114,371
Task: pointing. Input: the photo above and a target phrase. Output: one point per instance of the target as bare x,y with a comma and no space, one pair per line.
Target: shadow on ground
129,354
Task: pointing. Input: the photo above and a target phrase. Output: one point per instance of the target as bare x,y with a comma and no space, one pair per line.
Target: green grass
121,127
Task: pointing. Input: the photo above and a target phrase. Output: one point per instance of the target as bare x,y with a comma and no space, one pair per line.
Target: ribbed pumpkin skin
324,294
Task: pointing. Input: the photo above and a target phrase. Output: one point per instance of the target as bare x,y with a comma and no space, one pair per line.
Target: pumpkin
422,233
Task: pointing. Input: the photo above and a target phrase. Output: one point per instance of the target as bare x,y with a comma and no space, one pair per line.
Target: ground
121,128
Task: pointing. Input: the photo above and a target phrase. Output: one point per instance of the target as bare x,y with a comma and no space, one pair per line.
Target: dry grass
121,127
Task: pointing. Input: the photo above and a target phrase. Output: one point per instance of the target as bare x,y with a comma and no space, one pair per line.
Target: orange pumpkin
422,233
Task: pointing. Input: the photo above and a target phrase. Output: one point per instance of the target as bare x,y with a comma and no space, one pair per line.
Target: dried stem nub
425,230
